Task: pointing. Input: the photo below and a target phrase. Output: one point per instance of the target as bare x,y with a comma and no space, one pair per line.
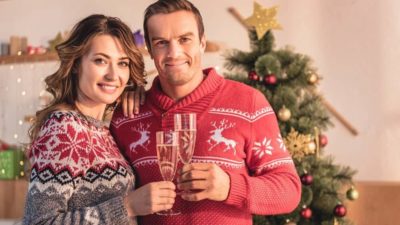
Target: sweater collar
211,82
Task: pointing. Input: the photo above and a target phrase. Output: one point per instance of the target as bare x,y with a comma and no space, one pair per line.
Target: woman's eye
124,63
100,61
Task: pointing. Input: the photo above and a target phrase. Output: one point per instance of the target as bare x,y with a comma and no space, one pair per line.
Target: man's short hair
170,6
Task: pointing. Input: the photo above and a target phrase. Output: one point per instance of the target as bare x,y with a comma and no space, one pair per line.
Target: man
240,165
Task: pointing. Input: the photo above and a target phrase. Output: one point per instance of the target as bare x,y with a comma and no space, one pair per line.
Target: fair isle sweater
78,174
237,130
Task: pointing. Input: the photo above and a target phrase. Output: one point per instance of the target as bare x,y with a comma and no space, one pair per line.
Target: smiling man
176,47
240,165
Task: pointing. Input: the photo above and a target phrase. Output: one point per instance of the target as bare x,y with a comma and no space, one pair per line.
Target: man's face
176,48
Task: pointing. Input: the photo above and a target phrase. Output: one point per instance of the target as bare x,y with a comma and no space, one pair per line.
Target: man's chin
176,70
177,80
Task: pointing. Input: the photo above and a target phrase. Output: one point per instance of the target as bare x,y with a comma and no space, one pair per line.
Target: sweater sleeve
274,186
58,163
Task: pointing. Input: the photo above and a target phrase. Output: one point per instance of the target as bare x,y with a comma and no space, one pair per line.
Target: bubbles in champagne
187,140
167,160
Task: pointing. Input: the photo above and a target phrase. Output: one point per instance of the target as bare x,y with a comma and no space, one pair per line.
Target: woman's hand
151,198
131,101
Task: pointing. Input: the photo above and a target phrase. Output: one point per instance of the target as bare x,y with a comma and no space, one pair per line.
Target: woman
78,174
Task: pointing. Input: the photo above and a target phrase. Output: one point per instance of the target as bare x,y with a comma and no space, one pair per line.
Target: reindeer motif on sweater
217,138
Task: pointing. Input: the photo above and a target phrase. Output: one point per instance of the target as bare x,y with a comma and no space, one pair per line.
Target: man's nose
174,49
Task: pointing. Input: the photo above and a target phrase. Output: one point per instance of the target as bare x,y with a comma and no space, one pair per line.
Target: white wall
354,45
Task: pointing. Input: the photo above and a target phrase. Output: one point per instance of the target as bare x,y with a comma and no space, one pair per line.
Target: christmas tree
289,82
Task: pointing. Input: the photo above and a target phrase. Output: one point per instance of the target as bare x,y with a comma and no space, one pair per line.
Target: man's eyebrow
187,34
182,35
157,38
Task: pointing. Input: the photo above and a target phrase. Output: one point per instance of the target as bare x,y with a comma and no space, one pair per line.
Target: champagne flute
167,155
185,125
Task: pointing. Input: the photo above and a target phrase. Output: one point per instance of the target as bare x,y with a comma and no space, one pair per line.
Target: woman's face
103,72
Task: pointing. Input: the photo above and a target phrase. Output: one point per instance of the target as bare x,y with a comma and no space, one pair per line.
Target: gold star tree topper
263,19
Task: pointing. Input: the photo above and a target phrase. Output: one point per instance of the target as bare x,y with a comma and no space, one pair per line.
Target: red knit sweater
237,130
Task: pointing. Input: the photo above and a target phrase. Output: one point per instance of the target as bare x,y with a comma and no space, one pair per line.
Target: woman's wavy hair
63,84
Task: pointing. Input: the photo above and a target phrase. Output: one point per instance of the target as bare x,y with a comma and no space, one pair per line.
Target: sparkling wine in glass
167,155
185,125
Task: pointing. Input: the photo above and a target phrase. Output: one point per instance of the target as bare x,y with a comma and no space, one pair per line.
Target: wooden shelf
9,59
49,56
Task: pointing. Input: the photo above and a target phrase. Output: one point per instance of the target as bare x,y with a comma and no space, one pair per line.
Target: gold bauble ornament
284,74
284,114
263,19
352,194
335,222
311,147
313,78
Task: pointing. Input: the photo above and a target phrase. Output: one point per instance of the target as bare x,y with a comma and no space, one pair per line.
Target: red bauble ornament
340,210
306,179
306,213
323,140
270,79
253,76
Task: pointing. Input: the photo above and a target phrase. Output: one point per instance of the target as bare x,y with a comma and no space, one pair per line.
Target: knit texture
237,130
78,174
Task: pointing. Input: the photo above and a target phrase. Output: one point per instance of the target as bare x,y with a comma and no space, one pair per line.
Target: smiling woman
78,173
103,74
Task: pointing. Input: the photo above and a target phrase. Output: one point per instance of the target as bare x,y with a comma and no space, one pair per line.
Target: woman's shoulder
61,114
63,117
62,121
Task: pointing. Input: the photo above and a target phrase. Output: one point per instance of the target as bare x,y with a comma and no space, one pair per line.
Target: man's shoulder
233,86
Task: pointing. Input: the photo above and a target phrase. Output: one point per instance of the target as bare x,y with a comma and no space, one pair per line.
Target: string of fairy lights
21,95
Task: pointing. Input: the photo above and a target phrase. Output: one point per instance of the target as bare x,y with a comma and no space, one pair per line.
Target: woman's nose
111,73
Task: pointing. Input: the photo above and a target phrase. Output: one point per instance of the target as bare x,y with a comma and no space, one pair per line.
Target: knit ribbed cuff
238,195
116,211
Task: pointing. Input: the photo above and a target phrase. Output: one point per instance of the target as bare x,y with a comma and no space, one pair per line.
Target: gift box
4,145
11,164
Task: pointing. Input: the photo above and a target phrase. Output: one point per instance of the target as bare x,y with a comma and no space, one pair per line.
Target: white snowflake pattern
281,143
64,142
263,148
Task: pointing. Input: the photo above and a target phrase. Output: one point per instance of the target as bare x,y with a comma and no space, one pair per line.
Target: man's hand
131,101
151,198
208,180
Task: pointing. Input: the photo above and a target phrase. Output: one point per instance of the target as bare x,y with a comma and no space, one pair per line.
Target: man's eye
184,40
161,43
